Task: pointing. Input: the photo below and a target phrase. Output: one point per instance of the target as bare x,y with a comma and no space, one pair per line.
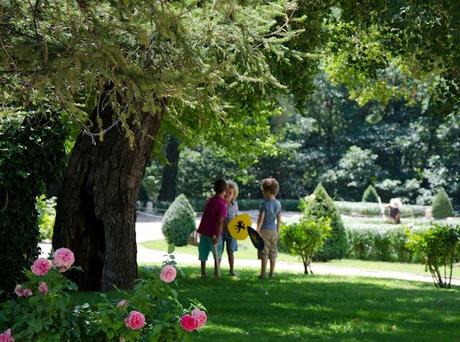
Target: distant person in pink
211,227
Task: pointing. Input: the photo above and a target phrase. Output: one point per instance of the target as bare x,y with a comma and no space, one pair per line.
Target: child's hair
220,186
270,185
233,185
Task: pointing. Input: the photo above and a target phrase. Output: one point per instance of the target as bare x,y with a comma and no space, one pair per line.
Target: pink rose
22,292
41,266
63,259
122,303
168,273
43,287
135,320
200,317
188,323
6,336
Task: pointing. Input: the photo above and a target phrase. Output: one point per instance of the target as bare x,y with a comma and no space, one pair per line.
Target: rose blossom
122,303
188,323
135,320
22,292
41,266
43,287
6,336
200,317
63,259
168,273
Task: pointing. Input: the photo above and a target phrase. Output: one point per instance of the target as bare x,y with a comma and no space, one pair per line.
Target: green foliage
440,248
306,238
178,221
374,209
53,316
320,205
370,195
382,242
32,153
46,208
442,207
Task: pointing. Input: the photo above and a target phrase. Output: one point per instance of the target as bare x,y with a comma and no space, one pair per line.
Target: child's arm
220,227
260,220
278,223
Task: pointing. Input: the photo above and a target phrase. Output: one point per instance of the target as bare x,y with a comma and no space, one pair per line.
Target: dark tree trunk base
96,209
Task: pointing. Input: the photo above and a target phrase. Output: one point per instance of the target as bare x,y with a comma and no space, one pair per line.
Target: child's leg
263,264
231,260
272,266
203,269
217,256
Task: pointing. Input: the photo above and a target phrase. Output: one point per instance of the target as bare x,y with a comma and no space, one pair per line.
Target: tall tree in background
168,189
123,69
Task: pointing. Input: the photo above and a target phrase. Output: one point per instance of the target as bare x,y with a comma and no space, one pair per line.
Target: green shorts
206,246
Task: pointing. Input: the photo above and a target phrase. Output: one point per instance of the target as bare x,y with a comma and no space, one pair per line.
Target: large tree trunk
96,209
169,177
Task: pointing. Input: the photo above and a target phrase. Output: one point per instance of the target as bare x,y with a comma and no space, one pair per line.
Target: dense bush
383,242
46,208
306,238
44,310
319,205
374,209
440,248
442,207
178,221
370,195
32,154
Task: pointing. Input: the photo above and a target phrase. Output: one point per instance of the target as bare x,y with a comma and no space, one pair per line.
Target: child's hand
215,240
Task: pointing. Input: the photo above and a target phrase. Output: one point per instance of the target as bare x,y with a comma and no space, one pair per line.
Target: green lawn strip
247,251
299,308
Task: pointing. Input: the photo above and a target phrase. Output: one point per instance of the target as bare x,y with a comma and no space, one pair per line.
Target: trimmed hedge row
374,209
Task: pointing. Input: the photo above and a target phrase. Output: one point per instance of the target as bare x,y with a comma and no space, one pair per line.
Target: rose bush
43,309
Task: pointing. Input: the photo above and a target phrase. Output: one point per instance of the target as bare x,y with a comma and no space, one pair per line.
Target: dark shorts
229,242
206,246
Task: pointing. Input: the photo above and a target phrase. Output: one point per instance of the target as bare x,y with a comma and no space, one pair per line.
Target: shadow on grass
298,307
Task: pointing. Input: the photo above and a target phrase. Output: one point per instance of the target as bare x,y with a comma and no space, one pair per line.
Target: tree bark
168,190
96,207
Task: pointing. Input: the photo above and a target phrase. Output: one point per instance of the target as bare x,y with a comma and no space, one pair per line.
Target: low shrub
374,209
306,238
320,205
43,310
370,195
178,221
440,248
442,206
384,242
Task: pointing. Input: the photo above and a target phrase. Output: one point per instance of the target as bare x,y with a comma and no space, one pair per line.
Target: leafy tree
305,238
320,205
440,248
442,207
122,69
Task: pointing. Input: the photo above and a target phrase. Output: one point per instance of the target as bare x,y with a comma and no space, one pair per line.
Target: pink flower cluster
22,292
193,321
135,320
63,259
6,336
41,266
168,273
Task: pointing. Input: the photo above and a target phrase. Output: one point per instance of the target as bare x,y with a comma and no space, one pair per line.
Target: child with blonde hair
232,210
268,225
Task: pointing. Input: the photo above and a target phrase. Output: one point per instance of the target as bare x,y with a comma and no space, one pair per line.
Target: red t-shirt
215,207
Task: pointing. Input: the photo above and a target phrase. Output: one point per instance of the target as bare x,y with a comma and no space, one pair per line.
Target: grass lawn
300,308
247,251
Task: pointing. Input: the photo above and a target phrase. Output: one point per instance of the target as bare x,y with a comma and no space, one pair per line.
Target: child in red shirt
211,226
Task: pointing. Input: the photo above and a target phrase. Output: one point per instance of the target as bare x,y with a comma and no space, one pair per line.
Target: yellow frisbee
238,226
